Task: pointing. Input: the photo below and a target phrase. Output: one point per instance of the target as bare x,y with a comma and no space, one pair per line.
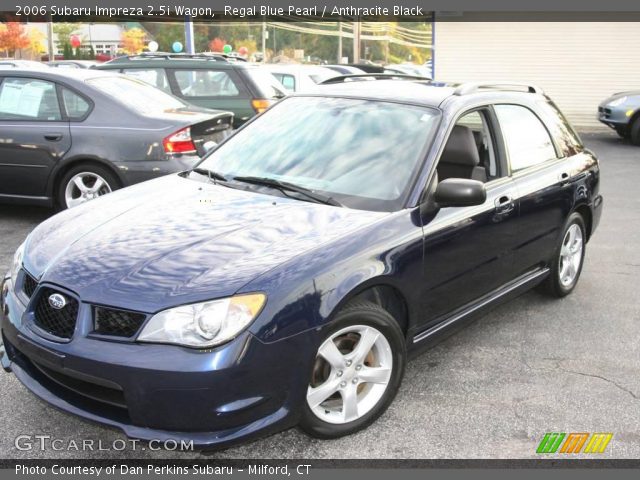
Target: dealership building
578,64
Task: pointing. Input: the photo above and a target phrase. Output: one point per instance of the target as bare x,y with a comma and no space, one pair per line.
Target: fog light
629,113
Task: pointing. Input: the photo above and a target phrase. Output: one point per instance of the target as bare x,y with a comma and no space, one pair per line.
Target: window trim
147,68
556,149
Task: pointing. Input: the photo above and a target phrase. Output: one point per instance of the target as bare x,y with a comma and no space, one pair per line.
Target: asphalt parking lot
532,366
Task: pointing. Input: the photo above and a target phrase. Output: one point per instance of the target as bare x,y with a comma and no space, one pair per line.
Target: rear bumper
241,390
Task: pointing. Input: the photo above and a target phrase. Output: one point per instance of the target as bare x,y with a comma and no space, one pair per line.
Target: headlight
617,102
16,265
203,325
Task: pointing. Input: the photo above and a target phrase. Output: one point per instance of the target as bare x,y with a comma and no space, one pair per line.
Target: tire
623,132
635,131
386,359
561,280
89,174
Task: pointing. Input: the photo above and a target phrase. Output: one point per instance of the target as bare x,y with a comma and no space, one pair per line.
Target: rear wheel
84,183
358,368
568,258
635,131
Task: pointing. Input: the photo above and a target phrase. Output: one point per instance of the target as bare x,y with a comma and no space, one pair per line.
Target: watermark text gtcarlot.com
27,443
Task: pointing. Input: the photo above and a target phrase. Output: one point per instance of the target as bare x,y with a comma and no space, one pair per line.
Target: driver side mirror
460,192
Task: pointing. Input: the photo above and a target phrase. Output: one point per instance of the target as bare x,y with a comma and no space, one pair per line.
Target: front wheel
568,258
635,131
357,372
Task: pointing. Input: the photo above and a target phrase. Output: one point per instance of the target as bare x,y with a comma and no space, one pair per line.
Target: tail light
260,104
179,142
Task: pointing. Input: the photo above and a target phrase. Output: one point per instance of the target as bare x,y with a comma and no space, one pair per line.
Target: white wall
578,64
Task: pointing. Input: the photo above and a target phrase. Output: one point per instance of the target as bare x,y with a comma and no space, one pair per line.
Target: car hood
632,93
174,240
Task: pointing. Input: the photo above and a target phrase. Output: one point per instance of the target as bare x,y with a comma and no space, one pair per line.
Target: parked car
13,63
205,80
345,69
409,69
621,111
73,63
300,78
288,277
68,136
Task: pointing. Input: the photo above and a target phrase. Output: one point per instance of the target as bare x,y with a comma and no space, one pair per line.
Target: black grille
118,323
29,285
58,322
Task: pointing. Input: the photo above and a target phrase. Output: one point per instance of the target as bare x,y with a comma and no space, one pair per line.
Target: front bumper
614,117
218,397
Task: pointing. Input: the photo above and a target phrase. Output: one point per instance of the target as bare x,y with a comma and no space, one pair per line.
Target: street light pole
50,48
264,42
356,41
188,35
339,42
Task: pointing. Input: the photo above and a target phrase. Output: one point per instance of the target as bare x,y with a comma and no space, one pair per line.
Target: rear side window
566,137
153,76
76,106
206,83
29,99
287,81
527,140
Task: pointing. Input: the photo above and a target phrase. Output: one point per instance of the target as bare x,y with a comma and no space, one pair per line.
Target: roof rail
372,76
218,57
473,87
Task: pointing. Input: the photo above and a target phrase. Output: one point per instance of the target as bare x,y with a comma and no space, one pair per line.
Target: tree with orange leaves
133,41
13,37
216,45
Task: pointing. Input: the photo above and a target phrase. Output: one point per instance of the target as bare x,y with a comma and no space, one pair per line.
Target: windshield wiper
213,176
286,186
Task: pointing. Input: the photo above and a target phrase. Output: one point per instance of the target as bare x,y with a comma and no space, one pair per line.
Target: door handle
564,178
53,137
505,204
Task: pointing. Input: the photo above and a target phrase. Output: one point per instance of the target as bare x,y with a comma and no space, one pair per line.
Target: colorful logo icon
574,442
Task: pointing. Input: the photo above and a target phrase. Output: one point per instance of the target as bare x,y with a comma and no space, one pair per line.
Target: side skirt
505,292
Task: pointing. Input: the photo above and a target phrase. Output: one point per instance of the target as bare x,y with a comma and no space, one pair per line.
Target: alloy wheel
351,374
83,187
571,255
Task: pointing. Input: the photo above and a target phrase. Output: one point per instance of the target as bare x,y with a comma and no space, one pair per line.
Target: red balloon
75,41
243,50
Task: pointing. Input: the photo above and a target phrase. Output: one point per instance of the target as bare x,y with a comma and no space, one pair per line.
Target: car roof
78,74
209,61
420,92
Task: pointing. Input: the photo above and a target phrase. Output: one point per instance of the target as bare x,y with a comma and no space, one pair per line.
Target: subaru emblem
57,301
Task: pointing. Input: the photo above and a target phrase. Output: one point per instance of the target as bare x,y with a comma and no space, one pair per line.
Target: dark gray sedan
68,136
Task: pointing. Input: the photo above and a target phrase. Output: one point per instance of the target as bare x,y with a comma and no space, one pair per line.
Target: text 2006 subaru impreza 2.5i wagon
286,279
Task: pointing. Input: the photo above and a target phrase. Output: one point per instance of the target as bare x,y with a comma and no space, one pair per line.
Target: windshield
136,94
362,153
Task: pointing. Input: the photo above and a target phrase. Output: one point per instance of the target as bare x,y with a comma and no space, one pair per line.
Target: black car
68,136
206,80
288,278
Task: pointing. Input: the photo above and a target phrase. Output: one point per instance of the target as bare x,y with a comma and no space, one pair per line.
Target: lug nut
355,380
339,373
349,362
358,367
343,384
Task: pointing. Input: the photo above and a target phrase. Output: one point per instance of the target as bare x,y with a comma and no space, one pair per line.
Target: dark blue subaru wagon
288,277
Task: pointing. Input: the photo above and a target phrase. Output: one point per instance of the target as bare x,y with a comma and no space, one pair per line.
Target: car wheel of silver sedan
85,183
356,372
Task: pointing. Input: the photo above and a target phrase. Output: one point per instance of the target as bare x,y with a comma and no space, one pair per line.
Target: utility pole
50,48
188,36
265,34
339,42
356,41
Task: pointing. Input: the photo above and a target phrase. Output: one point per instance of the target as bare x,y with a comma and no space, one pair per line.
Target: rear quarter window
207,83
567,139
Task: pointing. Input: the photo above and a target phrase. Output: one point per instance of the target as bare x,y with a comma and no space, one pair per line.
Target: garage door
577,63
